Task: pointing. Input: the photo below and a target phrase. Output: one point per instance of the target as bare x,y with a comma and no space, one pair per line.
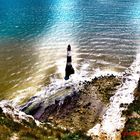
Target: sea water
104,34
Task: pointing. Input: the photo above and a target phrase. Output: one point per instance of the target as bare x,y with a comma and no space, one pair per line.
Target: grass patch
30,131
132,126
76,136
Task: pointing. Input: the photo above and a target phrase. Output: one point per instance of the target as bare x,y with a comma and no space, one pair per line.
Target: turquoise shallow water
34,34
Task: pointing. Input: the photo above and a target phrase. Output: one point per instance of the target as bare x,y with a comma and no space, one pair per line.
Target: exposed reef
82,109
63,120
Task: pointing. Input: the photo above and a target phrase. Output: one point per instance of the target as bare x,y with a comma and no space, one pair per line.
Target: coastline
79,111
131,129
82,109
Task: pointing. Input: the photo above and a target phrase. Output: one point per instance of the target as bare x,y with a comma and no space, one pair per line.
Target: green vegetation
28,130
132,126
76,136
78,113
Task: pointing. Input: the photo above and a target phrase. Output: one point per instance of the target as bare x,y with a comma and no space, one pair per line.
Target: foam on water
112,120
58,85
55,89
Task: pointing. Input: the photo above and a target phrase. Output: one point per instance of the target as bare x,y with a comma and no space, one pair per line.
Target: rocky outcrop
82,109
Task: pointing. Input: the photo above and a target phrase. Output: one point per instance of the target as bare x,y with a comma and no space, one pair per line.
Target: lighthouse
69,69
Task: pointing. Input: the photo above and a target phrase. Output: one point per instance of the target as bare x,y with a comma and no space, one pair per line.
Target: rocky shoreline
132,126
16,125
71,119
83,109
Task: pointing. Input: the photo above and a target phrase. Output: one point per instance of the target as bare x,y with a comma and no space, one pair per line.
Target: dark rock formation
81,110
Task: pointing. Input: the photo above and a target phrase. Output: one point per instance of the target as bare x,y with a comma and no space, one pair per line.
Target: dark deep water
34,34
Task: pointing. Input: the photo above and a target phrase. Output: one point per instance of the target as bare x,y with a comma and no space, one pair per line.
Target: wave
59,88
